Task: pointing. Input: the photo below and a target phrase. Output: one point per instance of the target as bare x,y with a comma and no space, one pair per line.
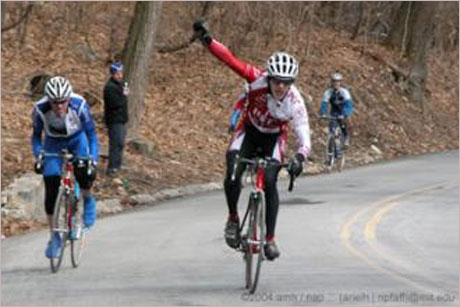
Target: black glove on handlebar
38,167
295,166
201,32
92,171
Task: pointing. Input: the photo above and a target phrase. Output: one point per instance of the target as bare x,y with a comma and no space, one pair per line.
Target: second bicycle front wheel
59,228
330,152
255,242
78,239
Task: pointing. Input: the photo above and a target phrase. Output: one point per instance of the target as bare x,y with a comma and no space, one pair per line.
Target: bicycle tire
341,160
341,163
255,252
330,152
59,224
77,245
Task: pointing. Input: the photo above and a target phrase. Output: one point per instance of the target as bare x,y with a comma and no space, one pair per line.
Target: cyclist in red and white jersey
269,104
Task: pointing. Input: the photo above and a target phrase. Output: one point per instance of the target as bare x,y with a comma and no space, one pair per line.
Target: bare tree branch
21,19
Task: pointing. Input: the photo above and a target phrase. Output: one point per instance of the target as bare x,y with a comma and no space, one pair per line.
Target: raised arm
244,70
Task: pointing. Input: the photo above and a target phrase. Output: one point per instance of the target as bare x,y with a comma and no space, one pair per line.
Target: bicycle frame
68,184
257,176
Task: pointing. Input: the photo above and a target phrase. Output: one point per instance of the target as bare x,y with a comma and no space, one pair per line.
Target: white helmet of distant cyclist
336,77
58,88
282,65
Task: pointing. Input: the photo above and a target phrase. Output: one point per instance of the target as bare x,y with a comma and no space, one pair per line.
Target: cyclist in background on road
271,102
66,121
341,106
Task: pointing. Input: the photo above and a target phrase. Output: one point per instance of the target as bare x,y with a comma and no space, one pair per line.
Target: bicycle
252,235
334,145
67,220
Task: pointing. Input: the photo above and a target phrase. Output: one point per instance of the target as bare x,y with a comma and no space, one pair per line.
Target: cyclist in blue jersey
341,105
65,119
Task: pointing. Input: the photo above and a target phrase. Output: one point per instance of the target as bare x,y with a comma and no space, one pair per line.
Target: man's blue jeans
117,135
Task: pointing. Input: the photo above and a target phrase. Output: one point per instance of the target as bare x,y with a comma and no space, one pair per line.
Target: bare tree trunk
419,43
413,33
3,13
400,29
359,22
13,24
137,56
23,30
311,15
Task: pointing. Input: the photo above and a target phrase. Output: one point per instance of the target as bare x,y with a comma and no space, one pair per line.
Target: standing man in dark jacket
116,116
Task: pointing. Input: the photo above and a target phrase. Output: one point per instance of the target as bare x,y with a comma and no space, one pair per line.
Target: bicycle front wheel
59,226
340,149
330,152
254,253
78,238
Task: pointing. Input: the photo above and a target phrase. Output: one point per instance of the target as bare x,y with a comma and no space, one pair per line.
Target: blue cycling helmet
116,67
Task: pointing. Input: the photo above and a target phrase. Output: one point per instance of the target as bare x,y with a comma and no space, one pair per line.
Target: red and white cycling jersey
260,108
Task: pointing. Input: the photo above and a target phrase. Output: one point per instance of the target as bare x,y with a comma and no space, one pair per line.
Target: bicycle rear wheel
59,226
254,252
78,238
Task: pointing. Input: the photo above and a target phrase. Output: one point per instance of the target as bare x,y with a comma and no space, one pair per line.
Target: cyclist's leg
275,148
52,176
79,147
241,145
52,166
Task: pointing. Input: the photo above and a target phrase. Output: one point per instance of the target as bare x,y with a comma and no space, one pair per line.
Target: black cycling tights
233,187
52,186
51,191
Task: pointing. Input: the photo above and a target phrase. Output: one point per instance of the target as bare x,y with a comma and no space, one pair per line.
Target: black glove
201,32
92,171
38,167
295,166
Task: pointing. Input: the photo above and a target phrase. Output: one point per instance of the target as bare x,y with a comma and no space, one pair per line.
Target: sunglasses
59,102
281,81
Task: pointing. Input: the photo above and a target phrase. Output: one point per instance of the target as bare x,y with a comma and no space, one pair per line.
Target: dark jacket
115,103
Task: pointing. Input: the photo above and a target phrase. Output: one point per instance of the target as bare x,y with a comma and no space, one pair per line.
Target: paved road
385,235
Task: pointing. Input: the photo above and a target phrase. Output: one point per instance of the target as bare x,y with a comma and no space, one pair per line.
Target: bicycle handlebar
330,117
67,156
265,162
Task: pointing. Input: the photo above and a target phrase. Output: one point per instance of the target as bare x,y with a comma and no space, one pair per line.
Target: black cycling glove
38,167
295,166
201,32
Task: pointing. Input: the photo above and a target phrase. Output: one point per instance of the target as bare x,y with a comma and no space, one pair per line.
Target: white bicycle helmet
336,77
283,66
58,88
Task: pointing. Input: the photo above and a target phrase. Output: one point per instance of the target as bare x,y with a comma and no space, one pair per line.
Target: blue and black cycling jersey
62,131
340,102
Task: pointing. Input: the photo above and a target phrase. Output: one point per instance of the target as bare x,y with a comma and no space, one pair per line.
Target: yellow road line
369,229
388,204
